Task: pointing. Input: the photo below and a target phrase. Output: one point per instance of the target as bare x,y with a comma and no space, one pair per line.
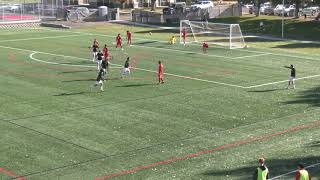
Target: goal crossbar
227,35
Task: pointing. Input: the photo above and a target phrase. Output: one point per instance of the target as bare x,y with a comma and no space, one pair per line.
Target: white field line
277,82
54,63
245,50
62,64
180,76
185,77
291,172
249,56
47,37
192,78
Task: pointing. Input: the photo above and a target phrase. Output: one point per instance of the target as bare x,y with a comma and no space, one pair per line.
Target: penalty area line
277,82
180,76
198,154
61,64
249,56
192,78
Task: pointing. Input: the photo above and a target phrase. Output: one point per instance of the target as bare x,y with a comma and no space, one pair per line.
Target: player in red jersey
160,73
184,36
205,46
119,41
129,38
106,56
106,53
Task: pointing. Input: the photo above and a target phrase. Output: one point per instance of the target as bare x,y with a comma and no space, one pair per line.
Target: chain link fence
15,11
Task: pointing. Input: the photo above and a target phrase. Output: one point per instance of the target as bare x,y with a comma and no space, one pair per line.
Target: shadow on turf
275,166
137,85
67,72
145,42
310,96
254,39
78,80
71,94
314,144
266,90
298,45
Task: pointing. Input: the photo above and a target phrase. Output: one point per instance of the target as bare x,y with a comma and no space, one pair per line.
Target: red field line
12,174
235,144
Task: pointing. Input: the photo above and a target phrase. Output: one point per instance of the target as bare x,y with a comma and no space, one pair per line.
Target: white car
266,8
248,6
278,10
202,5
289,10
14,7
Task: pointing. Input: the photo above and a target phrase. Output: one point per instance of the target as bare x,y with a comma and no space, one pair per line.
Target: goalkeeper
172,40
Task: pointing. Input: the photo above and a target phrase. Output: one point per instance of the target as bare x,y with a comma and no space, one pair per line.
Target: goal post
226,35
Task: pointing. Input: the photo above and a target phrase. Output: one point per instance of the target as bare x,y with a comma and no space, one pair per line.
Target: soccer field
216,114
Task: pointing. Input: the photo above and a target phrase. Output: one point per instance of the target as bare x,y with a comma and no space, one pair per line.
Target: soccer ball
150,33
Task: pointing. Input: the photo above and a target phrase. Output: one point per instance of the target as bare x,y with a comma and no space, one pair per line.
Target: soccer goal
226,35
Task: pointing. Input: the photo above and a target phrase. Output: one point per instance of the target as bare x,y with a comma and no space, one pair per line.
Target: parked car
278,10
253,10
289,10
266,8
4,7
14,7
309,11
178,7
248,6
202,5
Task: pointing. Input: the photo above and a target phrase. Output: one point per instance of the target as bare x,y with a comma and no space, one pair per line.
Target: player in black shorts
95,49
99,80
99,60
292,76
105,68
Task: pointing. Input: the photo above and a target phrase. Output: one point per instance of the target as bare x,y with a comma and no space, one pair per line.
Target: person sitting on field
172,40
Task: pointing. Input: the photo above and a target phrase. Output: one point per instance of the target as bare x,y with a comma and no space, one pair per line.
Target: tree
257,4
153,5
298,4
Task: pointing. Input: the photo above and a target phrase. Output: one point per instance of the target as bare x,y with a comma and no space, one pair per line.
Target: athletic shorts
99,83
125,71
291,78
99,62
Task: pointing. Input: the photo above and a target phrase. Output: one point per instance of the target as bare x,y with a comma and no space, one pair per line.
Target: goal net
226,35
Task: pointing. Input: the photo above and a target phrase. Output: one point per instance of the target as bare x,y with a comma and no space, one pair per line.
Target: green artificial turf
55,127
